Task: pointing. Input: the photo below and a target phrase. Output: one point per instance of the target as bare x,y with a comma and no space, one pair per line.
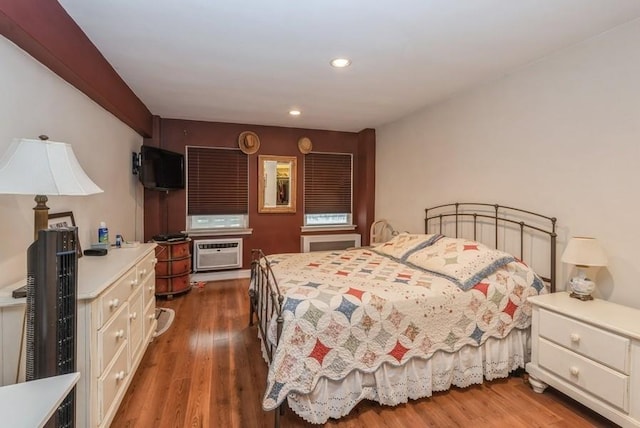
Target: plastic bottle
103,233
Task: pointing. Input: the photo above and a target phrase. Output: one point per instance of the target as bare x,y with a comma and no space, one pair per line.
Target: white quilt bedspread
356,310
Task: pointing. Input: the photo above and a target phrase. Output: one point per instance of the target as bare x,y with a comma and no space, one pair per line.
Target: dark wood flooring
207,371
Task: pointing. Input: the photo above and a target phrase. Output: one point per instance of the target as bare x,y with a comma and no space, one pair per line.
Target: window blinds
327,183
217,181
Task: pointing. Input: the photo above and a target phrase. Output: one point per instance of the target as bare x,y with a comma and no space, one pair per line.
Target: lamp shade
582,251
42,167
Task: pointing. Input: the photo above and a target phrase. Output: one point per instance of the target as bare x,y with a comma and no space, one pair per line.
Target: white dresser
116,322
589,351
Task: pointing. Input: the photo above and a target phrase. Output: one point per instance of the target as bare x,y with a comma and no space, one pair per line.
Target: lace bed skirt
418,378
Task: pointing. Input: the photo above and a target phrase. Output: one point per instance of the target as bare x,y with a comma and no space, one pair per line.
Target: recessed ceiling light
294,112
340,62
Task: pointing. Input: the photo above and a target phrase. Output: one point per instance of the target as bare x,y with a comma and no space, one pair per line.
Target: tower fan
52,270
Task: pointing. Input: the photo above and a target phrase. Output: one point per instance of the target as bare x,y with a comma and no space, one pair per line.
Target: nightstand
590,351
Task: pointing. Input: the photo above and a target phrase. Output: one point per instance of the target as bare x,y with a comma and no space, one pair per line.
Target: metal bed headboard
460,211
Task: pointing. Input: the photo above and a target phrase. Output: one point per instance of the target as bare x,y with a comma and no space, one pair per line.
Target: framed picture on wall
62,220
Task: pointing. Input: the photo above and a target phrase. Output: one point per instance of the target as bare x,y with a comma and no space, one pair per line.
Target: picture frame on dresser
65,219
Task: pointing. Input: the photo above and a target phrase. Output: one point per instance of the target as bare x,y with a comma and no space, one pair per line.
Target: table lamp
41,168
583,252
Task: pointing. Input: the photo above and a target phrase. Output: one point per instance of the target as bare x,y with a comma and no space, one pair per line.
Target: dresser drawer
112,336
136,322
173,267
110,383
116,295
146,267
592,342
149,290
150,321
596,379
173,250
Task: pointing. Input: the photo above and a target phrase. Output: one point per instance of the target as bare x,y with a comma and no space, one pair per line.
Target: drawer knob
143,272
119,334
134,282
575,337
152,317
151,288
574,371
154,262
120,375
114,303
133,315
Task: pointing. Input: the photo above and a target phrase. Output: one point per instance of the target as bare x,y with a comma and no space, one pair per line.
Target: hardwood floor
207,371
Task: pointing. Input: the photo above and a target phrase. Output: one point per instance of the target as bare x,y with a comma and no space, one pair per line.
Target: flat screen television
161,169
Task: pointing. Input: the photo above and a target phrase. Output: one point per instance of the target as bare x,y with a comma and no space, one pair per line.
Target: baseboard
220,275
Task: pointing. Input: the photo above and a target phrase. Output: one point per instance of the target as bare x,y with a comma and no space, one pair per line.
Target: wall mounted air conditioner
217,254
310,243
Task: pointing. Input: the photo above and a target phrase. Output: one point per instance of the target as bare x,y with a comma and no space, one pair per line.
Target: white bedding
365,324
418,378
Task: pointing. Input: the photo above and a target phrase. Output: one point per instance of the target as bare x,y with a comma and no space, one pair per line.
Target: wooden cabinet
174,267
589,351
116,313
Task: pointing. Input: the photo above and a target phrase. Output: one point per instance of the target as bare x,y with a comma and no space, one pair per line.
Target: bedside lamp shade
583,253
41,168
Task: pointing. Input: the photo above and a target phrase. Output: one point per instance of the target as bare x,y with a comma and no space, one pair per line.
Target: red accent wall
165,212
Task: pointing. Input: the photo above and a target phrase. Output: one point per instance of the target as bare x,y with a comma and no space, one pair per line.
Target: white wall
35,101
560,137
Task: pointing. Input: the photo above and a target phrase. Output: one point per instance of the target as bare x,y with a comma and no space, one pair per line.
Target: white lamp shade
42,167
582,251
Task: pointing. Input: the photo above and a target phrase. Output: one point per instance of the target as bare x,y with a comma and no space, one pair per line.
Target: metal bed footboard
499,218
265,303
265,300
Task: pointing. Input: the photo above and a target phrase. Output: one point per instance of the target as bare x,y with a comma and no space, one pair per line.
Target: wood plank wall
166,212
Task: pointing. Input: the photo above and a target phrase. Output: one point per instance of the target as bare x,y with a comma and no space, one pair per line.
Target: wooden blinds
327,183
217,181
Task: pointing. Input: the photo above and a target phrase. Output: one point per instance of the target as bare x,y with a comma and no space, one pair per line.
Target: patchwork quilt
415,295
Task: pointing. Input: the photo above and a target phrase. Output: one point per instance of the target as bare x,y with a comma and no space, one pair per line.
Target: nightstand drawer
594,378
592,342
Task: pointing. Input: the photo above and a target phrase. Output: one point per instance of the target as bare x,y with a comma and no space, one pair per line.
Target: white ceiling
252,61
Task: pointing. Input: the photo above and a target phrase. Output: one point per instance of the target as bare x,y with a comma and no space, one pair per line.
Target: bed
414,315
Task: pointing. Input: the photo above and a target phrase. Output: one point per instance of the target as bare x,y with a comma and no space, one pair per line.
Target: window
217,188
327,189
